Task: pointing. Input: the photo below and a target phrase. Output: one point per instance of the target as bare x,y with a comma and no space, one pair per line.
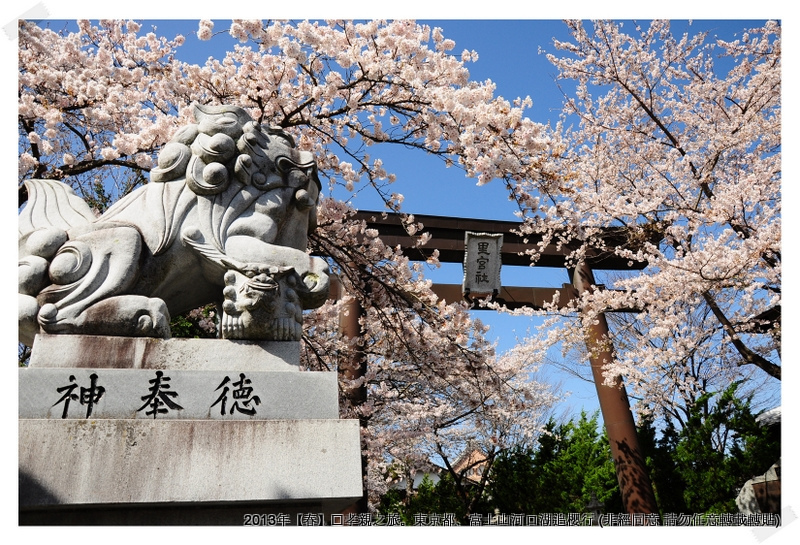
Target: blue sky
508,55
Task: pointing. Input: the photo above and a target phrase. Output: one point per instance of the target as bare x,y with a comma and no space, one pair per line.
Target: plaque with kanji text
482,260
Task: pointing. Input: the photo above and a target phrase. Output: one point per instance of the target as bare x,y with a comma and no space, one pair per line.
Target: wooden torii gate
448,235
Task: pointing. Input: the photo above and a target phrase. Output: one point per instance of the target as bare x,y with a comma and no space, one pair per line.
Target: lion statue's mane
224,219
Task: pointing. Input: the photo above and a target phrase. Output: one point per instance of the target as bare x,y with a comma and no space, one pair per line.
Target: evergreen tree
661,465
515,481
698,468
572,461
719,450
701,467
440,498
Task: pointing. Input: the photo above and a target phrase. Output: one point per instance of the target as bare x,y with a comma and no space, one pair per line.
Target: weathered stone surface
177,354
154,394
86,462
748,501
225,220
108,458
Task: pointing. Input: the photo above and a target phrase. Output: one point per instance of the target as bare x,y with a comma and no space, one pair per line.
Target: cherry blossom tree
677,141
96,106
106,96
432,383
676,144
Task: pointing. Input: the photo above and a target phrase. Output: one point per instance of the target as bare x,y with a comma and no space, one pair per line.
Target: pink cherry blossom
677,141
102,101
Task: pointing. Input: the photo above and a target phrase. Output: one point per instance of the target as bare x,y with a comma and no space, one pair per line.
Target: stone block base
117,471
98,352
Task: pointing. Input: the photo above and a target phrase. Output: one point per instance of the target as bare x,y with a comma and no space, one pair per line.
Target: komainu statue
225,219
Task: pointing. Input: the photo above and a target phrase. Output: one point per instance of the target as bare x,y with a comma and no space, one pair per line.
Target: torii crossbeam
448,235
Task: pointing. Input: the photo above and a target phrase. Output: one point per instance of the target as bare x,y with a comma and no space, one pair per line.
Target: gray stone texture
193,465
747,500
149,353
139,393
74,462
224,220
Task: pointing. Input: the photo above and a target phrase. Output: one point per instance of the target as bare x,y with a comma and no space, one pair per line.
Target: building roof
769,417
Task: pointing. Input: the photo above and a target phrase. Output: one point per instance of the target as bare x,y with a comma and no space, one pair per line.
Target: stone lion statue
225,219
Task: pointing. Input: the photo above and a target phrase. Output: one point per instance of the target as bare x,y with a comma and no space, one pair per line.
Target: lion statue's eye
284,164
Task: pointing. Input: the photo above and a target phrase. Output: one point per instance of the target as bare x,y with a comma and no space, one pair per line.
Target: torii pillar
353,368
634,482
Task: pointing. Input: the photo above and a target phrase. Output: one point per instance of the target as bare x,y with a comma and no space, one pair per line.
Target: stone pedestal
244,436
